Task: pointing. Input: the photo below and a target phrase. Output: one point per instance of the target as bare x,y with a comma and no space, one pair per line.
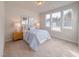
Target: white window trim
69,28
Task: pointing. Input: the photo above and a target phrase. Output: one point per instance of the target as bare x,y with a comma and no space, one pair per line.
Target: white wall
13,10
78,25
69,35
2,22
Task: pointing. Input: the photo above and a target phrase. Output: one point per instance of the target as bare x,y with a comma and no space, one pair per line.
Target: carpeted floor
51,48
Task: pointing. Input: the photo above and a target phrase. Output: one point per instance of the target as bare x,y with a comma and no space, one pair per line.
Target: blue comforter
35,37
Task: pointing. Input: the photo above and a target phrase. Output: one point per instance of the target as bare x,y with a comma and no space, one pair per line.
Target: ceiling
47,5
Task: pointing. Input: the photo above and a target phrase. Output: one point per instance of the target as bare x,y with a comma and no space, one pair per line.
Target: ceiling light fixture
39,2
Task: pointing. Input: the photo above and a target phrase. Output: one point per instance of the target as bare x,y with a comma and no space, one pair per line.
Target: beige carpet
51,48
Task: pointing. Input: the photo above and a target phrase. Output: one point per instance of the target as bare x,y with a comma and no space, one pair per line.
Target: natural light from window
67,19
47,20
55,22
59,20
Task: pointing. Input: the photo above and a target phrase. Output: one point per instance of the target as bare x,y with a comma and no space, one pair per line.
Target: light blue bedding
35,37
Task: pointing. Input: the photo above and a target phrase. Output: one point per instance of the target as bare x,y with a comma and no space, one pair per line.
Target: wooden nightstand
17,35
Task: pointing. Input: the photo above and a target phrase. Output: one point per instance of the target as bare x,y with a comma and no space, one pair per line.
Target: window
31,21
61,19
56,21
47,20
67,19
27,22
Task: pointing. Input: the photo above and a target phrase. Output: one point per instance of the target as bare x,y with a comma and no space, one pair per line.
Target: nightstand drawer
17,35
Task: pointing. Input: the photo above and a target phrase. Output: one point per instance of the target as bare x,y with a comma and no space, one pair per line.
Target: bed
35,37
